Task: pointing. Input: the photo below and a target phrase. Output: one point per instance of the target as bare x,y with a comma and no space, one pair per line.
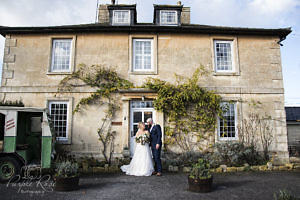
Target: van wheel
9,169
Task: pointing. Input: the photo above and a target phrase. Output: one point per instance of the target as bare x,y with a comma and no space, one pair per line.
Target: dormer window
121,17
168,17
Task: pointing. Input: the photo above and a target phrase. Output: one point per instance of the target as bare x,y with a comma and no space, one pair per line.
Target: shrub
284,195
183,159
200,170
66,169
66,166
17,103
234,154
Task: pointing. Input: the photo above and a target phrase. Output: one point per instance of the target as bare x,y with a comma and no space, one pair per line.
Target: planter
200,185
126,153
66,183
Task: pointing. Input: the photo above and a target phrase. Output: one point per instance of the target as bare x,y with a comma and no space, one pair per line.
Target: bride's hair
140,124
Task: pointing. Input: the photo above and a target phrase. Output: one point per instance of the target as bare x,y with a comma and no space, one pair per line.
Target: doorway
140,111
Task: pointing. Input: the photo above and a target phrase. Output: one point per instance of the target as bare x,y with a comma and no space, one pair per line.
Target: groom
155,135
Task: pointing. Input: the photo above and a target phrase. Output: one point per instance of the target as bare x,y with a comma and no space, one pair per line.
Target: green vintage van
26,139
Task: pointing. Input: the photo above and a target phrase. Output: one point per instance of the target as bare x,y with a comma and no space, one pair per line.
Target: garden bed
221,169
224,168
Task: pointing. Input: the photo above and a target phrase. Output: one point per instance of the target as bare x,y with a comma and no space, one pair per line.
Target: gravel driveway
250,185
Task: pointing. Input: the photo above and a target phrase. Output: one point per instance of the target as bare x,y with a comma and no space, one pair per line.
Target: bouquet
143,139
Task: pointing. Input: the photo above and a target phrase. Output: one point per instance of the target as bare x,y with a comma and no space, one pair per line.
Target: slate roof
147,28
292,113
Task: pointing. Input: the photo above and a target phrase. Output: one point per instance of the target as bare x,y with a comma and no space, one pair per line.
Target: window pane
121,17
137,117
58,113
61,55
135,129
147,115
141,104
223,55
227,125
168,17
142,57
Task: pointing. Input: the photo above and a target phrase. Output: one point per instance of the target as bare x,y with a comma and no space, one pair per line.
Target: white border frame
124,23
54,40
73,54
236,138
232,56
67,127
133,55
169,24
69,100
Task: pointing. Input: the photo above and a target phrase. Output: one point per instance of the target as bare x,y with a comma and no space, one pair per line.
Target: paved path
170,186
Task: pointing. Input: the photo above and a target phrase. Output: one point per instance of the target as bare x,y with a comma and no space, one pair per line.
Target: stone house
243,64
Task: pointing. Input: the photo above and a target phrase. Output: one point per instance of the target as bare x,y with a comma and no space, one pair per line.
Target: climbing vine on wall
191,109
105,81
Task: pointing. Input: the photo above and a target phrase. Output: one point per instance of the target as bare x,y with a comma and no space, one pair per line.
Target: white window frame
133,55
232,55
235,124
56,40
66,138
121,23
169,23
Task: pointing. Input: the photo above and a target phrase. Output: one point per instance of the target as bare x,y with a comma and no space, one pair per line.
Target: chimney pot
113,2
179,3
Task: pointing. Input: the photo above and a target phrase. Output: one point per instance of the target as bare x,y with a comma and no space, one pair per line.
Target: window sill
169,24
226,74
63,141
59,73
144,73
227,139
125,24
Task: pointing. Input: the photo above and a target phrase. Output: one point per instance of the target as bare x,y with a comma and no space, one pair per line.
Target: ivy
191,109
16,103
104,79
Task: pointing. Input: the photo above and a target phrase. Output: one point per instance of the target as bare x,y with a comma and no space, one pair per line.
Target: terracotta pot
200,185
66,183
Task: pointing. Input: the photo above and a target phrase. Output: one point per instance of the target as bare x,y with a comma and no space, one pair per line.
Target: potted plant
66,176
126,152
200,179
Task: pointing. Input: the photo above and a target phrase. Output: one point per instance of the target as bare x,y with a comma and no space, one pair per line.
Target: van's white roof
27,109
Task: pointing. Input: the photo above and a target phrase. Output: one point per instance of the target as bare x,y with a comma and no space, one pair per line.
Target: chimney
179,3
103,14
186,15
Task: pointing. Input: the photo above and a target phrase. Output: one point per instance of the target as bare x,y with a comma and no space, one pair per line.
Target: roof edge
142,27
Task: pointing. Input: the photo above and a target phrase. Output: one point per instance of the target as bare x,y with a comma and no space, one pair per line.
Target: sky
241,13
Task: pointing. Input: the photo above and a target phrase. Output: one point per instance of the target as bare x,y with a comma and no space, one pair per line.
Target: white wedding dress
141,163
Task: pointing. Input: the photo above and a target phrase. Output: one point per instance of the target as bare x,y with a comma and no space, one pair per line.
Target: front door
140,111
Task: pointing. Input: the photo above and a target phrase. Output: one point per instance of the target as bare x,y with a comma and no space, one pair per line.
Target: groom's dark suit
155,138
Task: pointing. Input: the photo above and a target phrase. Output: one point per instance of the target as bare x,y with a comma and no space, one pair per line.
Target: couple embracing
142,163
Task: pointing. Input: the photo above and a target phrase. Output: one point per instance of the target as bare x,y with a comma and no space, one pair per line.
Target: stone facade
258,76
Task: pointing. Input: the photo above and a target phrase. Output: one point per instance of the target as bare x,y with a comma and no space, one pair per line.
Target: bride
141,163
